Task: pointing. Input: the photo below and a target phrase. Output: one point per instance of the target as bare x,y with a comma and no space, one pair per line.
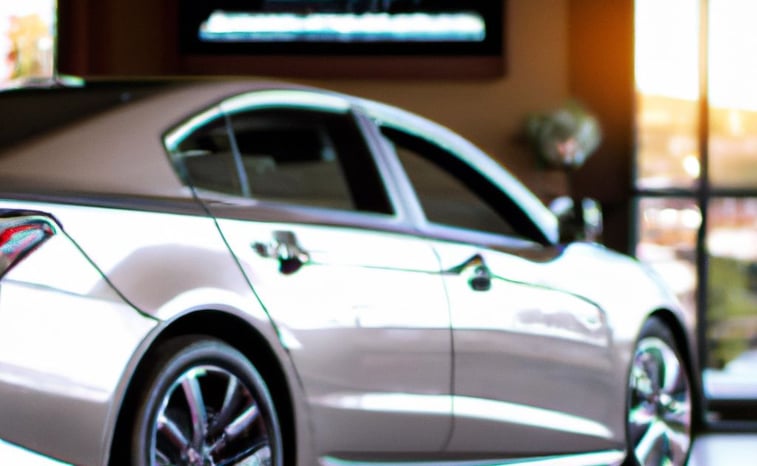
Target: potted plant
564,139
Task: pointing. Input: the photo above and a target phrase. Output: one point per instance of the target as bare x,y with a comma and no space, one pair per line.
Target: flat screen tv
341,27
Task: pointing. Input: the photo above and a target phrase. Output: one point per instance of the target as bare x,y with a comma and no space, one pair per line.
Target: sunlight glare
732,61
667,56
691,166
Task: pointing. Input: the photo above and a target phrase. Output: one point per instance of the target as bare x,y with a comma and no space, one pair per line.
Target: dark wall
601,73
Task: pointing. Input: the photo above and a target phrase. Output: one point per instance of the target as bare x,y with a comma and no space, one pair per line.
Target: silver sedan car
257,273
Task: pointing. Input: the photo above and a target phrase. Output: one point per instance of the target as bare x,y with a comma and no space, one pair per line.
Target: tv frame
389,59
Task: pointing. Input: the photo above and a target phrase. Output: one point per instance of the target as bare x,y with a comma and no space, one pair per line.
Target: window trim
542,224
291,98
526,231
279,99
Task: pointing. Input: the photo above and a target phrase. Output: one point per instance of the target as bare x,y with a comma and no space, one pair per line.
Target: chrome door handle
286,249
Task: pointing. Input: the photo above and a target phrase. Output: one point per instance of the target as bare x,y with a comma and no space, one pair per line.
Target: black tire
660,400
207,380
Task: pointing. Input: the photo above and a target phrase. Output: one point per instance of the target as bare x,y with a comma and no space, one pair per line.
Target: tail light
20,234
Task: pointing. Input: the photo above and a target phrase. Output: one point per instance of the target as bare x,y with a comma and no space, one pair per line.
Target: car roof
123,123
123,153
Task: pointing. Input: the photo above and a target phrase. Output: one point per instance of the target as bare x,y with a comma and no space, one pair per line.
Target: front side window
282,154
450,192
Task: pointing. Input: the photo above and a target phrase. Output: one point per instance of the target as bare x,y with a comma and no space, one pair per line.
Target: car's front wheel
659,400
204,404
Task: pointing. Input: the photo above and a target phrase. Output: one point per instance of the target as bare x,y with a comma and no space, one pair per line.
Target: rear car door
532,361
355,296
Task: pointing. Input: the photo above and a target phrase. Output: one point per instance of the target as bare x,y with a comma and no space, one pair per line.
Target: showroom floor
709,450
725,449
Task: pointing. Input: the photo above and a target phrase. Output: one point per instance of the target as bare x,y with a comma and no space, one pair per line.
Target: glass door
696,175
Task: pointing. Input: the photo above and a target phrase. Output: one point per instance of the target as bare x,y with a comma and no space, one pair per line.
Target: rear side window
288,155
205,159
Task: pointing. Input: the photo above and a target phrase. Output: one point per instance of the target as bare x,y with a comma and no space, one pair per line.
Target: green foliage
565,137
731,310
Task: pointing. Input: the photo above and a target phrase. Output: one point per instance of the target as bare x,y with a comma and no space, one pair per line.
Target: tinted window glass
292,156
313,158
207,161
450,192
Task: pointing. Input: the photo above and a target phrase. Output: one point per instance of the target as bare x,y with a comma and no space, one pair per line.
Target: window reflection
667,242
732,74
668,142
667,81
732,298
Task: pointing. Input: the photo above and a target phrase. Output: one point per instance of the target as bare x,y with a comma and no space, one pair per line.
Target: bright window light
27,41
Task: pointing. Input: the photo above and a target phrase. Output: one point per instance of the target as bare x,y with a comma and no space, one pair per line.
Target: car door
355,296
532,362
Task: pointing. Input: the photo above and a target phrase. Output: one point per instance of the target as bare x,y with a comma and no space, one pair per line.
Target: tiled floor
725,450
709,450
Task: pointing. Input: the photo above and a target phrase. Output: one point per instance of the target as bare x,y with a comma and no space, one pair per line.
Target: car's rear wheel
204,404
659,400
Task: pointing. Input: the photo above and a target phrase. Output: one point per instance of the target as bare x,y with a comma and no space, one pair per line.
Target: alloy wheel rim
209,417
659,414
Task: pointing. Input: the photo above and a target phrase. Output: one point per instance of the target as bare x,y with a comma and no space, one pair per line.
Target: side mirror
580,219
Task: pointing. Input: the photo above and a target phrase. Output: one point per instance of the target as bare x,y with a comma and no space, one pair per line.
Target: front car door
532,361
356,298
